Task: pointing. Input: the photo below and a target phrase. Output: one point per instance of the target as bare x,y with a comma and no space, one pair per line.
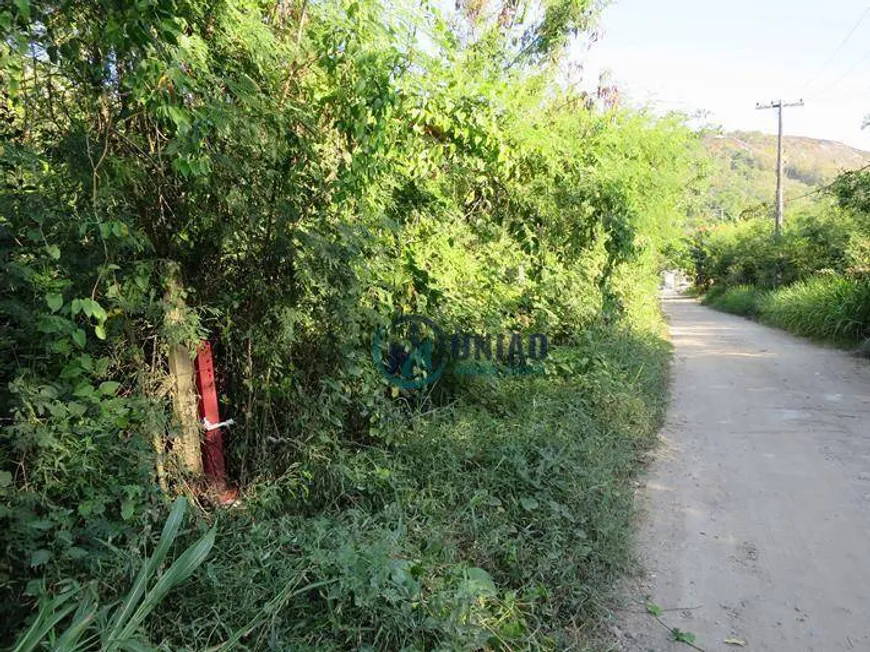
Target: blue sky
724,57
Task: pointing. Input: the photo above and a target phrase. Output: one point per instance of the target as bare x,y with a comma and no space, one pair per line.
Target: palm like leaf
117,628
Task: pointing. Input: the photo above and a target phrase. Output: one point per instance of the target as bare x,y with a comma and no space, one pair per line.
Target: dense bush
745,252
283,179
812,281
852,192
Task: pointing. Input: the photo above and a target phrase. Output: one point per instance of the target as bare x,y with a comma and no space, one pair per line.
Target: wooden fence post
183,385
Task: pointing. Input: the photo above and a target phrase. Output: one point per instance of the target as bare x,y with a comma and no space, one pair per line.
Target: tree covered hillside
742,170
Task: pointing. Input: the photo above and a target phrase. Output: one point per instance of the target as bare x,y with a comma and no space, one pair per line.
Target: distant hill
743,168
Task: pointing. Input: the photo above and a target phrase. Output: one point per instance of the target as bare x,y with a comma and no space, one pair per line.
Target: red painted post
213,442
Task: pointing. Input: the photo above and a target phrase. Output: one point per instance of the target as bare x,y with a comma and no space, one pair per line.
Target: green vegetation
498,521
283,179
742,300
741,167
118,627
826,307
813,281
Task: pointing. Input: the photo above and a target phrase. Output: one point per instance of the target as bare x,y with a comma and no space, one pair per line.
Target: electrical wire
844,75
830,185
842,44
756,207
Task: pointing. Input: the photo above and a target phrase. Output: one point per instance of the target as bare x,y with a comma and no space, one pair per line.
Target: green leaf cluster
284,178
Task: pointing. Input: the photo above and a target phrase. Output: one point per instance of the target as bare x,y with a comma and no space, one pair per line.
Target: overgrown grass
827,307
501,520
743,300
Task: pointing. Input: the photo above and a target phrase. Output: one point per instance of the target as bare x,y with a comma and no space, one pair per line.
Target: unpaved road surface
755,520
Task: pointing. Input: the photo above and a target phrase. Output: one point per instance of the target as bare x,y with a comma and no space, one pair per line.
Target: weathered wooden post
186,448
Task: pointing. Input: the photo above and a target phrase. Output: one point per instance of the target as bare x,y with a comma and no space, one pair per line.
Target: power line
844,75
846,96
830,185
842,44
765,204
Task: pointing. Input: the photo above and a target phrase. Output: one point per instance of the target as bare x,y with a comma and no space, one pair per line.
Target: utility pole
779,105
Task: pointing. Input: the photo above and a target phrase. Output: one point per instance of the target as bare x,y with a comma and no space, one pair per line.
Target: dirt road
756,512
